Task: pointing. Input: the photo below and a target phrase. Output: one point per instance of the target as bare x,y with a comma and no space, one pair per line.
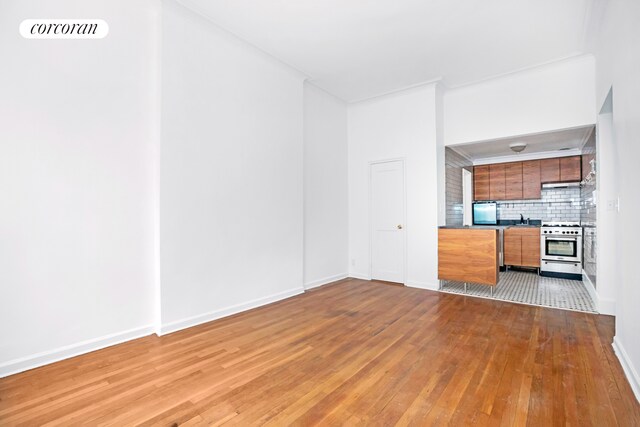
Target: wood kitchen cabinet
531,184
561,169
570,168
530,255
497,183
512,248
523,180
522,247
481,182
549,170
513,181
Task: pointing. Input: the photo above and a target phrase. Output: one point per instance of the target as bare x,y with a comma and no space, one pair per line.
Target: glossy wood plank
522,246
355,352
513,181
531,186
497,182
550,170
512,248
481,182
468,255
570,168
531,248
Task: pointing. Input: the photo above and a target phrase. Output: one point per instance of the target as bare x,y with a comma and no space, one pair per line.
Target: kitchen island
469,255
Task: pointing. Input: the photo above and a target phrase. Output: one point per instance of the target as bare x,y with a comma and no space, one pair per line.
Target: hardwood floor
355,352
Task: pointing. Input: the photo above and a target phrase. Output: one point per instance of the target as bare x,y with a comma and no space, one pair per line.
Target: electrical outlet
611,205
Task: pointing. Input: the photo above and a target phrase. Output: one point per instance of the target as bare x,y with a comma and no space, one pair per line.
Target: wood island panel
468,255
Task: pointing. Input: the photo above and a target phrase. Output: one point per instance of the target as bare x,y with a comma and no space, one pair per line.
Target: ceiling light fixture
518,147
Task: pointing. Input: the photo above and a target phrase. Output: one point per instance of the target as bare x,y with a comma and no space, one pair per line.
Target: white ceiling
357,49
548,142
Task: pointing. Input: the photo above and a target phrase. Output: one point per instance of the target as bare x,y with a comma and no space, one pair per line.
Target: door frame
404,215
467,208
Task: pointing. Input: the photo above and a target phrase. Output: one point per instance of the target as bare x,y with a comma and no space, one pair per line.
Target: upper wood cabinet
531,186
513,181
523,180
570,169
550,170
497,184
481,182
561,169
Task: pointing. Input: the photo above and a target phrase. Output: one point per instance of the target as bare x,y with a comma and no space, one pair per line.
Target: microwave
485,213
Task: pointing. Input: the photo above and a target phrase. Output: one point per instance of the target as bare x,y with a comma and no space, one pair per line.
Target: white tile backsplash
556,204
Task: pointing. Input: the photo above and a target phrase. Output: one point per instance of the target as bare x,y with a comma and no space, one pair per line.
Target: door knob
399,226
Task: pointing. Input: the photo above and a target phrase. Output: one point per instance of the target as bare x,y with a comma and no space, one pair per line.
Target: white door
467,197
387,221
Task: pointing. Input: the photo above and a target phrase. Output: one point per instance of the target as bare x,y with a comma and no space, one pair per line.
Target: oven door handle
573,239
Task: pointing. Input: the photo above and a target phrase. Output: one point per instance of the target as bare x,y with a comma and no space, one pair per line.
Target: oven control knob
563,232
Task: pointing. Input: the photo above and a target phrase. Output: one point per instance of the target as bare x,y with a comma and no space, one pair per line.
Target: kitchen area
529,202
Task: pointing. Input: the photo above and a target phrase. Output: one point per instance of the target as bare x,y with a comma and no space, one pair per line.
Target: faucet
521,219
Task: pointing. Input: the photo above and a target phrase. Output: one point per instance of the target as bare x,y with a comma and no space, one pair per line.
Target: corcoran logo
64,28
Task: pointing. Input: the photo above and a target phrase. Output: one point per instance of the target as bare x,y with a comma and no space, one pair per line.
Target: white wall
551,97
77,182
617,65
607,169
231,206
325,187
401,125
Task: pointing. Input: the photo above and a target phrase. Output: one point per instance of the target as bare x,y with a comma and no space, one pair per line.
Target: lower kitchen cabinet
522,247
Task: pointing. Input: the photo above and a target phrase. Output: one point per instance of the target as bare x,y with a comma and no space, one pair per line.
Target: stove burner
560,224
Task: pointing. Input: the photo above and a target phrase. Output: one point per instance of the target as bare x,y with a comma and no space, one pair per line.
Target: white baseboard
228,311
44,358
324,281
603,306
591,289
423,285
629,370
359,276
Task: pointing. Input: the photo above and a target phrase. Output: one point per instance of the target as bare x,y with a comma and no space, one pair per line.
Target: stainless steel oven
561,249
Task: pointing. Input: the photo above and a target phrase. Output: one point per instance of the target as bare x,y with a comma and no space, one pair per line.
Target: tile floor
529,288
